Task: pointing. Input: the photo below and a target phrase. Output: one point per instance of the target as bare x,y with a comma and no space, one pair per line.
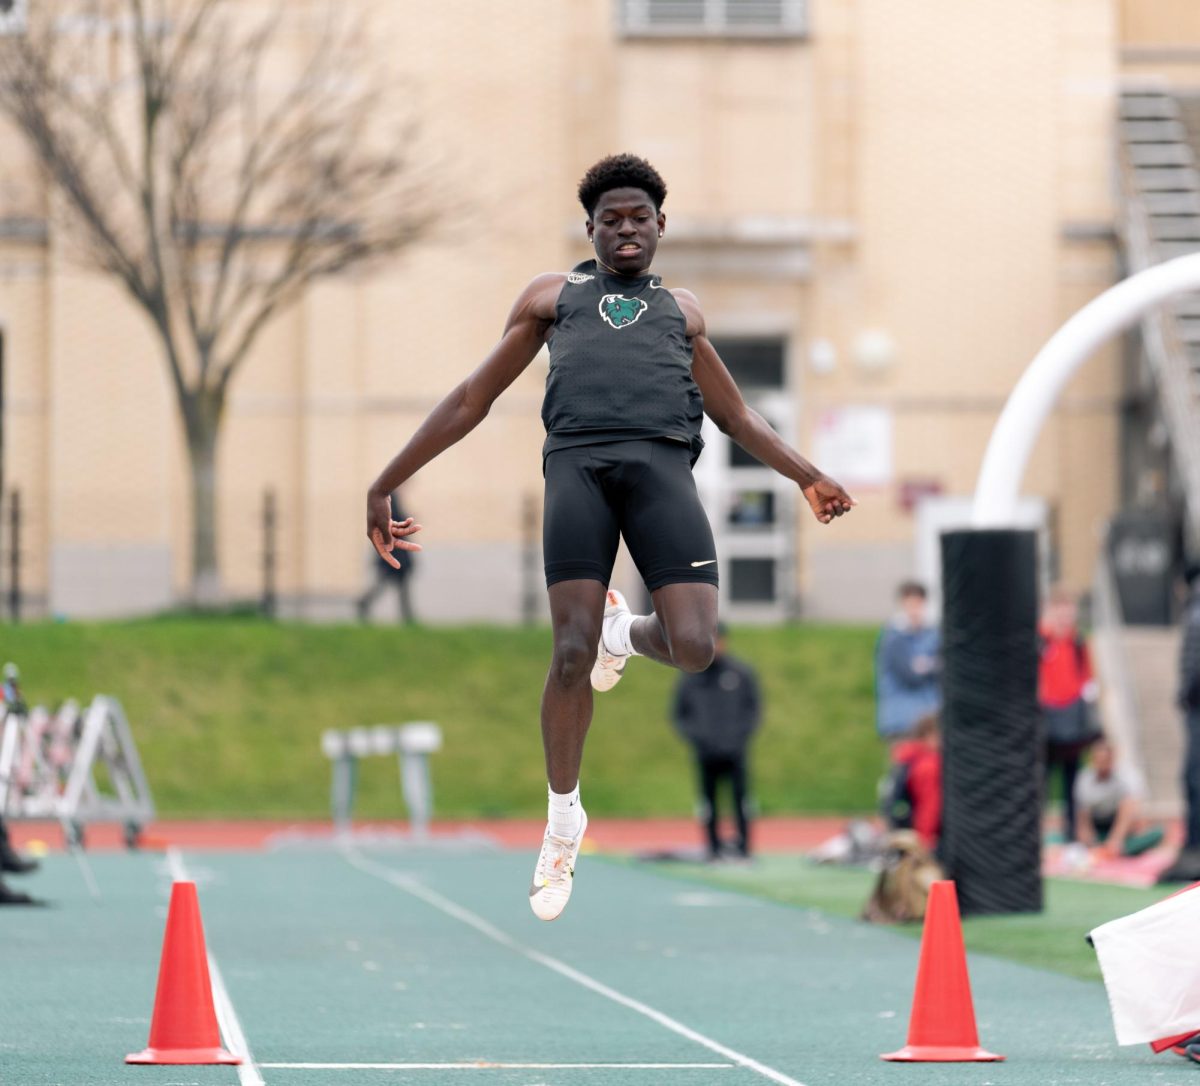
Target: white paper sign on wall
854,445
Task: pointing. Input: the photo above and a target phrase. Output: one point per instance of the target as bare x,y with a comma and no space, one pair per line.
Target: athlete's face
625,229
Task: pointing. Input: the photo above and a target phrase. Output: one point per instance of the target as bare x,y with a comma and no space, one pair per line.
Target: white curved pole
1030,403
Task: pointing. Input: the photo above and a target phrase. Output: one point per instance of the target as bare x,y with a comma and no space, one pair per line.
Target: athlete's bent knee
572,662
693,653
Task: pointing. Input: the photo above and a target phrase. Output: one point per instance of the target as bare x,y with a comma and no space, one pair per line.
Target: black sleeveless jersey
620,364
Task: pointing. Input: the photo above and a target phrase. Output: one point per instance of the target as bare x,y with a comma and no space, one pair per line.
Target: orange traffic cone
942,1026
184,1026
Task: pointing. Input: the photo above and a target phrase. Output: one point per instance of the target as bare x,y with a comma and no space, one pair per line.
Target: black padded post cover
991,734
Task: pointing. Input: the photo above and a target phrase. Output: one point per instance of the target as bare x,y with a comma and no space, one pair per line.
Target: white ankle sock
564,812
616,631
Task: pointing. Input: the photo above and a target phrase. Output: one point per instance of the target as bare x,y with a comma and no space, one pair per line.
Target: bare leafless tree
215,162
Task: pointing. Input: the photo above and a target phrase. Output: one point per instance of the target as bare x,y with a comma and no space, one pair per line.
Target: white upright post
1031,402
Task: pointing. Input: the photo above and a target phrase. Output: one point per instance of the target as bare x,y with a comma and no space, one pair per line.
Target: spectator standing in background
907,666
11,698
1186,867
12,862
717,710
9,896
387,576
1066,693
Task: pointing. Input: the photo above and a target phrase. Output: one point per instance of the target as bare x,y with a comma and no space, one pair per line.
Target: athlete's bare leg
576,611
682,632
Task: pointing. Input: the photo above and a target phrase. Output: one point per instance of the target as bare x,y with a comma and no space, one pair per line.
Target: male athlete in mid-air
631,374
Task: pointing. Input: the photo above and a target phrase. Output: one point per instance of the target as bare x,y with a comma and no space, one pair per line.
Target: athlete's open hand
388,535
828,499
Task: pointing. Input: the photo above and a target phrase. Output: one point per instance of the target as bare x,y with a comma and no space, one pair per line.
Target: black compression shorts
642,490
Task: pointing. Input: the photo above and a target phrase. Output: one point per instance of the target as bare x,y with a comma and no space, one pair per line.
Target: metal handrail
1122,717
1164,349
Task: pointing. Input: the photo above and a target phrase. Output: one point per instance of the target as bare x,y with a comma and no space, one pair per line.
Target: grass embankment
228,714
1053,939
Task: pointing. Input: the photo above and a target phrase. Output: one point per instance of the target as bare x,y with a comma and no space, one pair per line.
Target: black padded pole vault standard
991,836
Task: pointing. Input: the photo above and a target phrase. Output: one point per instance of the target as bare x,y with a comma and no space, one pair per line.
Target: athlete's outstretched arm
464,408
723,403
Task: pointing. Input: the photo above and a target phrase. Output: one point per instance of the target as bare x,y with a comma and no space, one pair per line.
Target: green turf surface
228,714
1053,939
329,962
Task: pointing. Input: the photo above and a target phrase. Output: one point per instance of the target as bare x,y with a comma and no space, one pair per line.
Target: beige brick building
886,208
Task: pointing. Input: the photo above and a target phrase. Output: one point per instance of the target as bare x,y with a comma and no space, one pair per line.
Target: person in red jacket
1066,693
915,783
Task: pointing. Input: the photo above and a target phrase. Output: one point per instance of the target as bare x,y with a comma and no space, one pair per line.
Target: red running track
782,834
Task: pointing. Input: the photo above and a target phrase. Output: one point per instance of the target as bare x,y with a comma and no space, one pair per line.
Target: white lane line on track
175,865
480,1066
450,908
231,1028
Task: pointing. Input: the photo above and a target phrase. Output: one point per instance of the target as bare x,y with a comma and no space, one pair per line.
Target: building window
752,510
12,16
739,458
752,580
713,18
754,362
757,364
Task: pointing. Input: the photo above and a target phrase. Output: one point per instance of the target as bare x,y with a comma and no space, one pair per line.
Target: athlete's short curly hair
618,172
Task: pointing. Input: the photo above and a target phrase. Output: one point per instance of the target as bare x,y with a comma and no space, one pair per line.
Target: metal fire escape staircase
1160,219
1158,136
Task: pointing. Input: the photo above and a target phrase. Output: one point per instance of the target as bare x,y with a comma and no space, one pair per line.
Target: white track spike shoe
555,872
608,668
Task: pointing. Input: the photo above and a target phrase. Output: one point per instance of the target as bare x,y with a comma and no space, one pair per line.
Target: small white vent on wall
713,18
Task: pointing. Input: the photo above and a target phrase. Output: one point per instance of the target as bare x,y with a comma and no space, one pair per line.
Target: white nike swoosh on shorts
706,562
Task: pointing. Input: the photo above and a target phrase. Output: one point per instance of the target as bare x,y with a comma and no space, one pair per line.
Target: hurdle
74,767
412,743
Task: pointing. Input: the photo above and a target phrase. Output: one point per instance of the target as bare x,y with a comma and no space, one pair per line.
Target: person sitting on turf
912,790
1108,797
632,373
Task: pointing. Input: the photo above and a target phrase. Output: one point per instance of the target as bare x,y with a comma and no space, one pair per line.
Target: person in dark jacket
1186,867
387,577
12,862
717,710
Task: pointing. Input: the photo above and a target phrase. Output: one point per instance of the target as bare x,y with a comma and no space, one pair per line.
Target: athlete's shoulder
545,281
689,306
542,293
539,297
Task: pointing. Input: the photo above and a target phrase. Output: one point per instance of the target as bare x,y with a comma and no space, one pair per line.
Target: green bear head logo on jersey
619,311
